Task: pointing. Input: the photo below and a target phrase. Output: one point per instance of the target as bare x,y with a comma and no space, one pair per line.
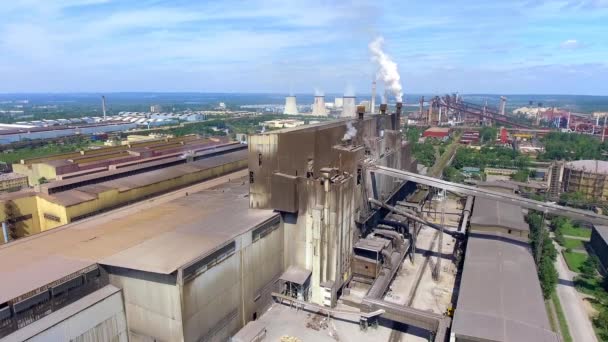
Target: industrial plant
306,233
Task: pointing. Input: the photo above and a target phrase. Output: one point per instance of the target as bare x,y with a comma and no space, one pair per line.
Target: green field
574,243
47,150
574,260
574,231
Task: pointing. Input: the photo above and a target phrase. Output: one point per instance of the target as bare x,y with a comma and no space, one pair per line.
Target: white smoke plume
351,132
349,90
388,71
318,92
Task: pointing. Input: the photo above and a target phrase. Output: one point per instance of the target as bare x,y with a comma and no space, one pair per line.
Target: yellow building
32,212
12,181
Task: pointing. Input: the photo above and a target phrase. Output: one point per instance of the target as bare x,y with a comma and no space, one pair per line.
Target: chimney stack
360,111
103,106
397,117
383,108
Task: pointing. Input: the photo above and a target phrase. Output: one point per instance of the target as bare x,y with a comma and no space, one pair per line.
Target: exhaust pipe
383,108
360,111
397,117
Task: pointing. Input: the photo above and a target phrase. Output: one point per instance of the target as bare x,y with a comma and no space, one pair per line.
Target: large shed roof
158,238
500,297
492,213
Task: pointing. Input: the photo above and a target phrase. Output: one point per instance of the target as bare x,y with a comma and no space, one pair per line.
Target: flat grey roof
500,297
487,212
159,238
295,274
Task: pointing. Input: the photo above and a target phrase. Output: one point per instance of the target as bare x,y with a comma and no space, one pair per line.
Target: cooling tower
338,102
318,107
291,108
349,107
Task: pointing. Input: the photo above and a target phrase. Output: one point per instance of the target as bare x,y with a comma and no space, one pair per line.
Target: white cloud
570,44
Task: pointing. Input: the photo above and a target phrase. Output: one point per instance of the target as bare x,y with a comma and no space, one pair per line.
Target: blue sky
503,47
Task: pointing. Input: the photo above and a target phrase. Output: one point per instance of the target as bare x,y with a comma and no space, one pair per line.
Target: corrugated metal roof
488,212
500,297
159,238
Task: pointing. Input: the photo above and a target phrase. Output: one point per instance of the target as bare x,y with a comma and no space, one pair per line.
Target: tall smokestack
349,107
318,107
291,107
383,108
503,105
397,116
103,106
372,106
360,112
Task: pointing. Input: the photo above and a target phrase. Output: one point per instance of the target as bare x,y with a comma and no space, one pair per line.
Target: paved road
576,316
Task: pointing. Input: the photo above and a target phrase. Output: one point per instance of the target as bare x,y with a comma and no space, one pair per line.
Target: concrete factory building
291,168
291,108
187,272
202,265
588,177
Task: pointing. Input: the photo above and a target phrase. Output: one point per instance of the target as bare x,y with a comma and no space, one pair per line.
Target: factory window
259,159
255,316
251,177
51,217
510,231
359,171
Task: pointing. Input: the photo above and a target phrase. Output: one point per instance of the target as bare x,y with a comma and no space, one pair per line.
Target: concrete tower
338,102
349,107
503,105
291,108
318,107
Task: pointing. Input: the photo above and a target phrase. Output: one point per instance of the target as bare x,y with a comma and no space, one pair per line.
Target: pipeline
466,213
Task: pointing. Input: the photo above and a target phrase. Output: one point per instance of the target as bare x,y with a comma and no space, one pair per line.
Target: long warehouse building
194,268
500,298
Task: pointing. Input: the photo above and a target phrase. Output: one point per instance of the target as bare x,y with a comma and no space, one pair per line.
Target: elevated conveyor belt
549,208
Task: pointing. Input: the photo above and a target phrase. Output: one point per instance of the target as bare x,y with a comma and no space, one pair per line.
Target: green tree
605,282
412,134
42,180
488,134
521,175
589,267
